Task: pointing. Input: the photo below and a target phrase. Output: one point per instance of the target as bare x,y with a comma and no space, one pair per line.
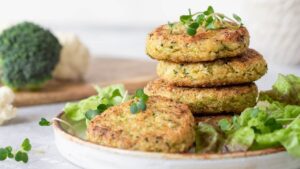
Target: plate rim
205,156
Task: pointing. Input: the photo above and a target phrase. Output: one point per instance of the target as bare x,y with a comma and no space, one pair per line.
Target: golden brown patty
174,44
249,67
230,99
165,126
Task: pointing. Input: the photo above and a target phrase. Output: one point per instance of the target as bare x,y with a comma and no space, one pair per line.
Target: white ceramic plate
92,156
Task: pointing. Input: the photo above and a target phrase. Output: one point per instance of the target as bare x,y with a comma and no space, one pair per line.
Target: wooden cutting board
133,74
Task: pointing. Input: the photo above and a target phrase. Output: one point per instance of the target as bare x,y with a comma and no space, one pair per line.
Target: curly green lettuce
286,89
107,97
273,122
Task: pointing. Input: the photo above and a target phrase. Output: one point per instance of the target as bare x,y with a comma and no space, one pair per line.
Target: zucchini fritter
246,68
216,100
175,45
165,126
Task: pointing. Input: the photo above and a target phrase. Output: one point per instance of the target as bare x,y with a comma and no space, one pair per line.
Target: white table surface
44,154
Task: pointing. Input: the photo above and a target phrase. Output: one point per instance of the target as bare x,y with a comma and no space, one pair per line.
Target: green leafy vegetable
291,138
90,114
224,124
26,146
208,19
9,152
133,108
94,105
237,18
273,122
76,111
140,105
207,138
6,153
240,140
28,56
44,122
20,155
78,114
286,89
3,154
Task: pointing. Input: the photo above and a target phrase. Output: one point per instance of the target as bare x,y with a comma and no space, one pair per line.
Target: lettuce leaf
207,138
264,126
291,138
286,89
240,140
288,137
76,111
109,96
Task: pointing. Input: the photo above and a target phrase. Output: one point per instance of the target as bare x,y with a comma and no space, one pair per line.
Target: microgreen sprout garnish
20,155
140,104
44,122
209,20
26,146
171,25
107,101
90,114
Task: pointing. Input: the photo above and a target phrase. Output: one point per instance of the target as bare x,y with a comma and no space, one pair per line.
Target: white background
117,28
114,28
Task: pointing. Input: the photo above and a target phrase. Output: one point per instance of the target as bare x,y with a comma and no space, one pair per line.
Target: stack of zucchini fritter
212,71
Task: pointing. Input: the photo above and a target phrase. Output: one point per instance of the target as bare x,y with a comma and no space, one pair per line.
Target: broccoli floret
28,55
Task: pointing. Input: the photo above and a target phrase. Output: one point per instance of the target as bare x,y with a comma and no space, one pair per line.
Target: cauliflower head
7,110
74,58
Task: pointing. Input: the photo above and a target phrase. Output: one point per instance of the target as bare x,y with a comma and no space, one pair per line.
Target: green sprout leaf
192,28
200,19
21,156
133,108
237,18
9,152
170,24
90,114
210,10
26,146
101,108
210,25
210,20
144,98
116,93
194,25
44,122
139,93
191,31
3,154
185,18
140,105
